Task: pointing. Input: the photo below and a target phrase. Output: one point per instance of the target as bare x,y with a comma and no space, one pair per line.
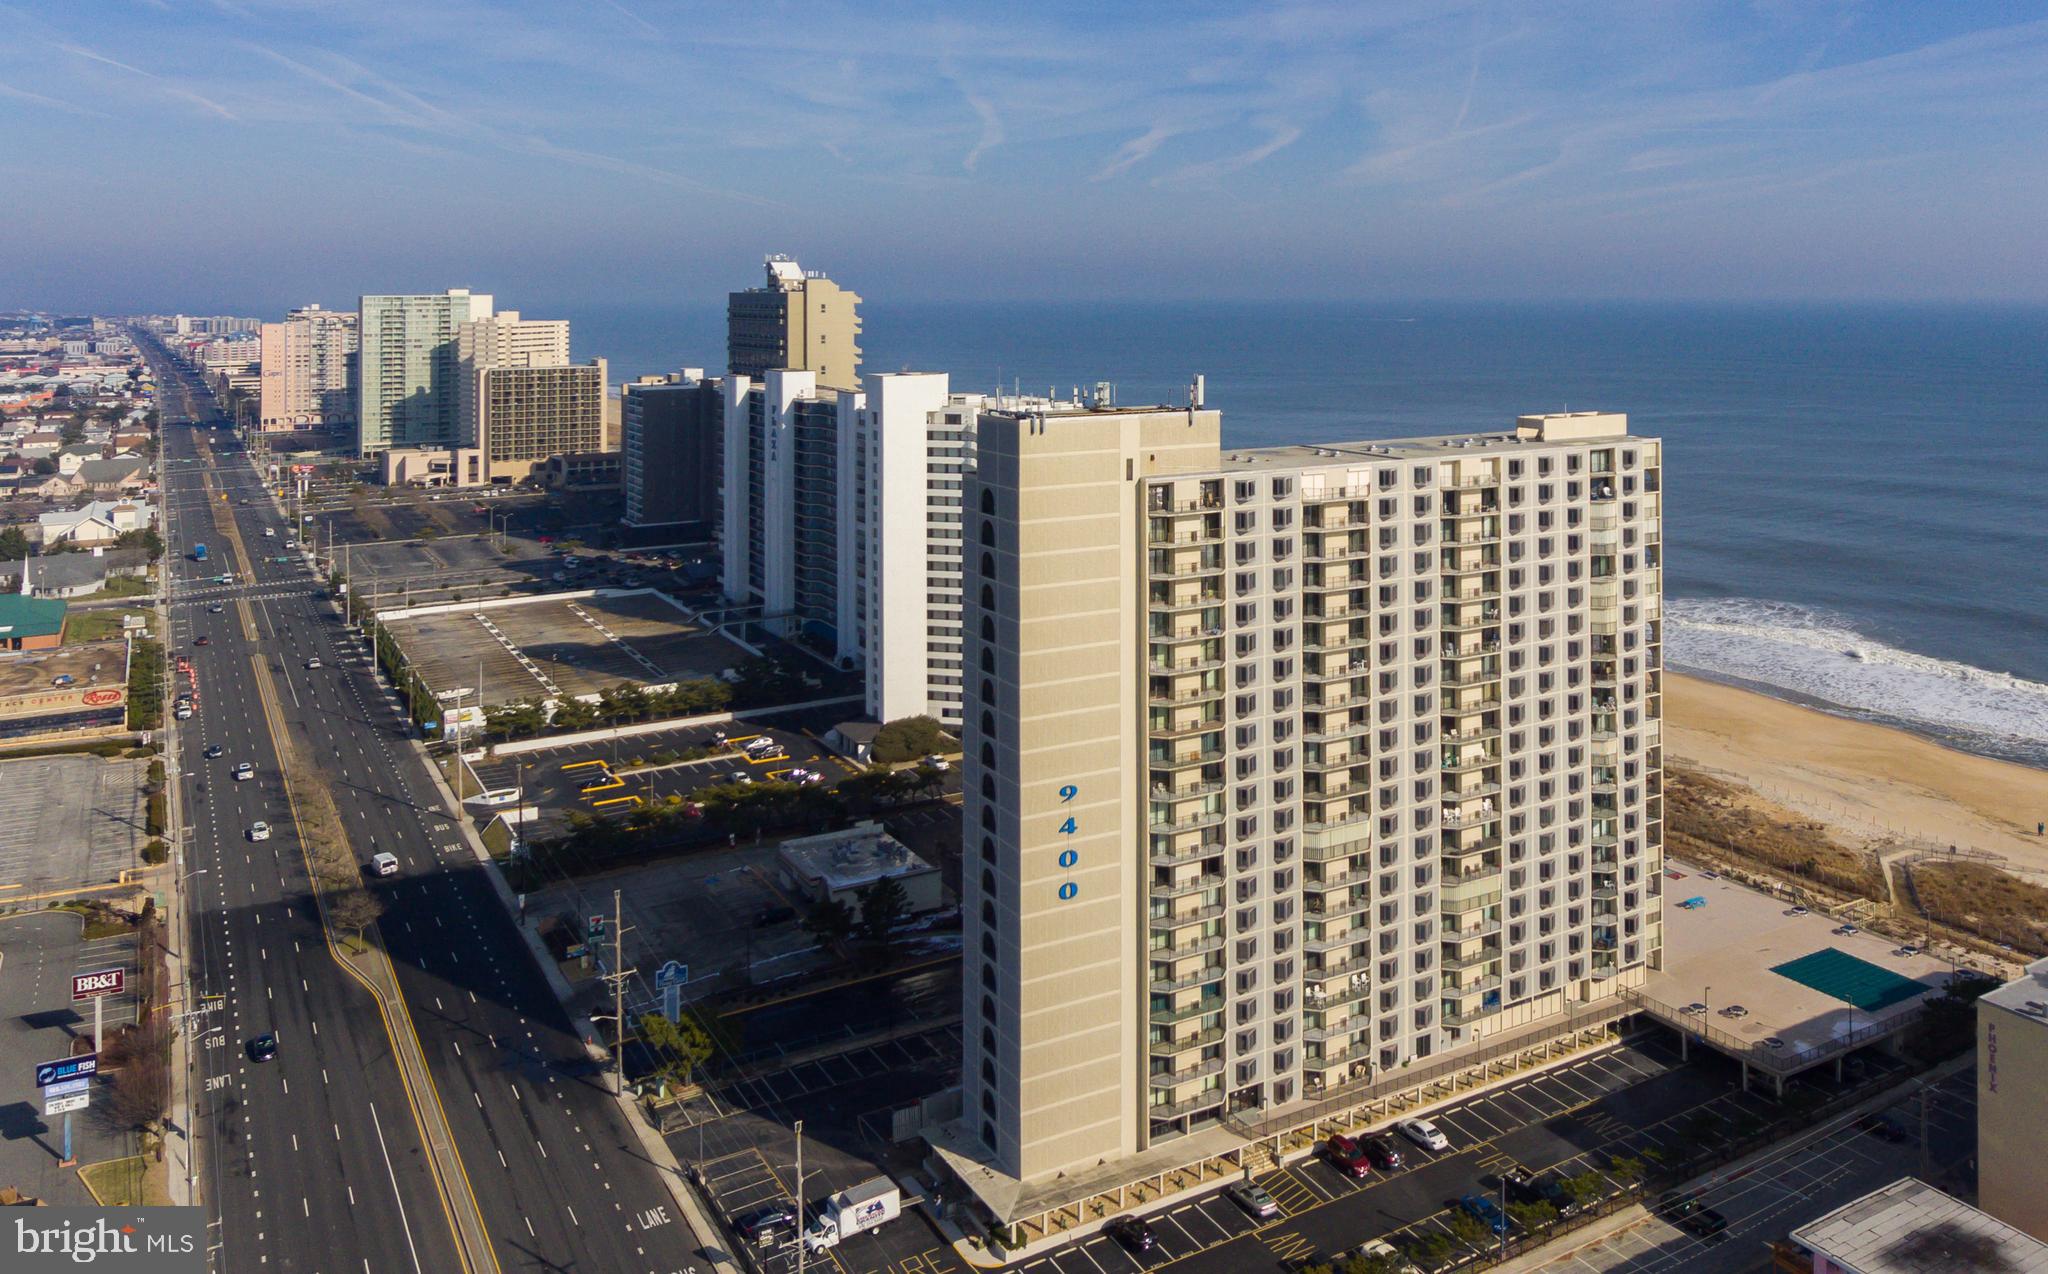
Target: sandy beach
1869,781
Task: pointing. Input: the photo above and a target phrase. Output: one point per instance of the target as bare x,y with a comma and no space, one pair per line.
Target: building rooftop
1909,1227
30,616
849,859
2026,994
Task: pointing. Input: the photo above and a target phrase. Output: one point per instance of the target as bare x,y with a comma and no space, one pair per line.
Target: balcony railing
1182,888
1171,1047
1202,1007
1182,982
1200,915
1174,1079
1186,1106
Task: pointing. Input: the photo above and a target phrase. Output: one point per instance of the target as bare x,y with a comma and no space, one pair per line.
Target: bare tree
354,909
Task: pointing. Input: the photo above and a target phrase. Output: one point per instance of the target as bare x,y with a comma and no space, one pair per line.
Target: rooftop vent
2035,1007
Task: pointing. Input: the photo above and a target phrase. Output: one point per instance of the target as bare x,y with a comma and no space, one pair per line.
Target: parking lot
705,913
67,821
548,647
562,778
749,1152
1632,1100
40,952
1809,1177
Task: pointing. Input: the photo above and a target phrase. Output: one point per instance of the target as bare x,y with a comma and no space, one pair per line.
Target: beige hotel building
1288,768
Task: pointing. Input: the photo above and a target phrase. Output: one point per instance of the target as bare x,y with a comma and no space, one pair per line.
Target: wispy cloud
168,86
24,95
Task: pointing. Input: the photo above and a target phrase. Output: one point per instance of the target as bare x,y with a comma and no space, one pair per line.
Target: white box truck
868,1206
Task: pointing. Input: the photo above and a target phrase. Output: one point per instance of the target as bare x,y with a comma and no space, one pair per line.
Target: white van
384,864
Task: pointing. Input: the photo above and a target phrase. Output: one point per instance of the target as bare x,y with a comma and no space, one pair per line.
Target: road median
348,915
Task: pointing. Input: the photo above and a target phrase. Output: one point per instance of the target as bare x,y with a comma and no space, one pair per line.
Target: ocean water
1856,498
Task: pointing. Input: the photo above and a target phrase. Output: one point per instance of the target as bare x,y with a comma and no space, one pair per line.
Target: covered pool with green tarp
1852,980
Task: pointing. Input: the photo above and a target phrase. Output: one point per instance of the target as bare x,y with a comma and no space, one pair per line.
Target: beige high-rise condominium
525,414
502,340
795,322
1288,768
308,369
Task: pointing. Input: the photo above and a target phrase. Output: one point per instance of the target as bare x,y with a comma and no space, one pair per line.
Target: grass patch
123,586
97,625
1986,901
1707,820
137,1181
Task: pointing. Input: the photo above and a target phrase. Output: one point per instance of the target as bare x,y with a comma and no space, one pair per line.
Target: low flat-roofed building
838,865
30,623
1909,1227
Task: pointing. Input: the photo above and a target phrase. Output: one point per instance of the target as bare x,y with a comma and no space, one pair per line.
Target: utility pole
617,977
1925,1154
800,1208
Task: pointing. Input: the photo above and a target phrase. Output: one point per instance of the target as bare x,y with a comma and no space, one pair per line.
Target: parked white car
1424,1133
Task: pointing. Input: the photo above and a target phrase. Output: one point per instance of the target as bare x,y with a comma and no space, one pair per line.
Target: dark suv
1524,1186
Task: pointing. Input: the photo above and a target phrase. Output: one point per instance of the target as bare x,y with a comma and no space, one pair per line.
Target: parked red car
1347,1156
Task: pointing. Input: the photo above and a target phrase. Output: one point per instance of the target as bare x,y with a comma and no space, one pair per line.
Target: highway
315,1156
561,1181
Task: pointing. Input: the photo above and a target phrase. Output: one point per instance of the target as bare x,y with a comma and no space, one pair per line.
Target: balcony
1471,678
1484,955
1320,581
1192,885
1161,696
1477,986
1337,904
1335,942
1344,1030
1486,533
1338,995
1472,1016
1165,822
1184,599
1465,761
1169,923
1187,1074
1170,729
1325,819
1185,1106
1454,847
1342,727
1192,947
1336,970
1165,855
1186,759
1470,792
1350,760
1175,1047
1180,1013
1184,981
1337,548
1165,533
1458,623
1183,570
1204,662
1467,596
1338,669
1328,642
1467,932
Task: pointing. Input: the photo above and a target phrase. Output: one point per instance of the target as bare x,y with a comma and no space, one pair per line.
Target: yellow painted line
616,800
602,787
737,740
776,774
768,760
577,765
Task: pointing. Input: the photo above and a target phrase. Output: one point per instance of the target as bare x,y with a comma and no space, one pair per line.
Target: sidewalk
710,1242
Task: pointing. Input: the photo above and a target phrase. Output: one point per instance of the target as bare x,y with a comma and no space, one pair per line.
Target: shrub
158,811
156,853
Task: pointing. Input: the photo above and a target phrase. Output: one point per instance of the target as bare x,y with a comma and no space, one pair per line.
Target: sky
200,154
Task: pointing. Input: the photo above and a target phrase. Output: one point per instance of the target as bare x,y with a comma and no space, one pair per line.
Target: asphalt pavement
559,1177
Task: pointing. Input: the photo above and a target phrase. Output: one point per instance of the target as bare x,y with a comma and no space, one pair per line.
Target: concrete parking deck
578,644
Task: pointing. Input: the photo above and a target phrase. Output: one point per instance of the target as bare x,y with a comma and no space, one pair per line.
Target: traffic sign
84,986
65,1105
672,974
66,1087
85,1064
